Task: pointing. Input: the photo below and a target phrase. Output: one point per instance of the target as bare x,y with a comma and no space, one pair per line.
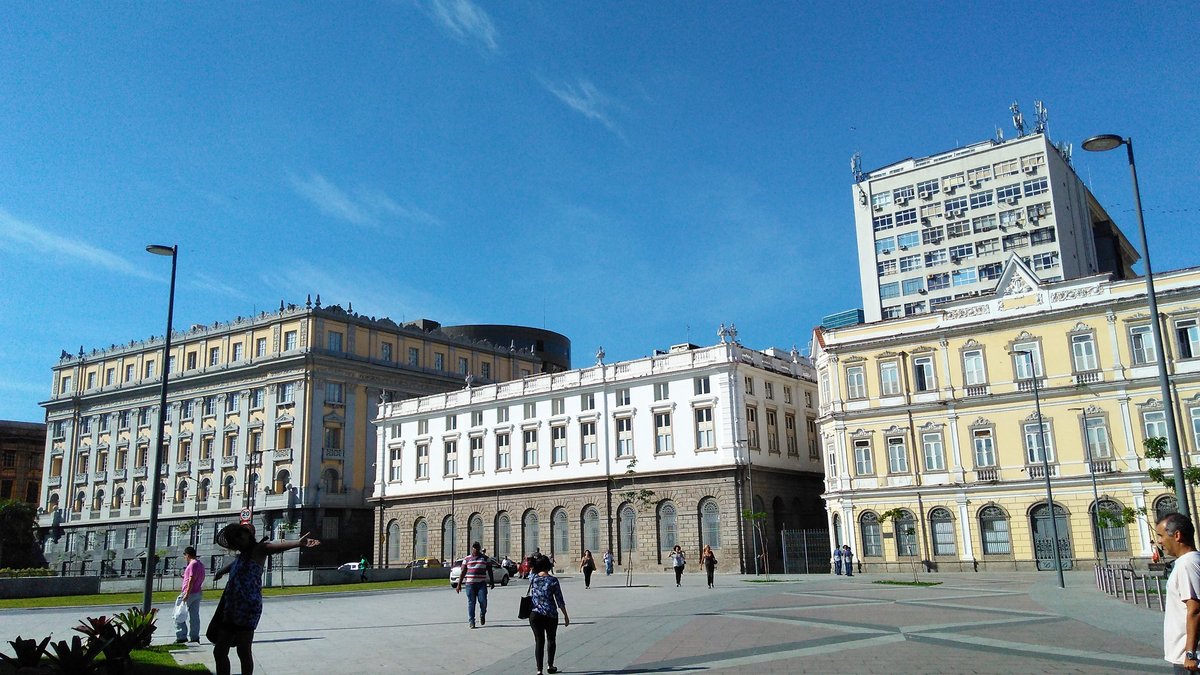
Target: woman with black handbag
546,599
587,566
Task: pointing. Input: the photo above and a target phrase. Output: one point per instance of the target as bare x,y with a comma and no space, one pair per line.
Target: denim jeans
193,617
476,590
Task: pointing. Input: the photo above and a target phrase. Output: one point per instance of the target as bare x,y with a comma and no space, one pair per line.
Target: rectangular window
908,240
985,448
937,282
911,308
881,199
887,291
923,377
1023,361
897,455
752,427
863,466
530,410
477,454
422,460
129,373
394,465
881,223
622,397
986,246
587,401
885,268
933,235
501,415
206,447
885,245
935,456
1083,353
889,378
856,382
260,346
906,217
450,463
982,199
769,391
772,432
990,271
257,396
1188,337
149,371
958,229
662,391
485,371
1009,193
1154,424
979,175
231,445
451,422
624,436
558,438
237,351
476,418
961,252
955,207
787,395
926,189
558,406
503,452
705,437
290,340
110,373
439,361
286,393
1035,186
701,386
464,365
935,258
231,402
974,373
930,211
910,263
1042,235
662,433
335,341
1044,261
587,438
414,357
214,356
913,286
903,194
963,277
1034,435
530,447
1097,438
789,431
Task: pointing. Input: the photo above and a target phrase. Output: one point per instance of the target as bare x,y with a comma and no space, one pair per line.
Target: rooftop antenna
1018,119
856,167
999,135
1041,114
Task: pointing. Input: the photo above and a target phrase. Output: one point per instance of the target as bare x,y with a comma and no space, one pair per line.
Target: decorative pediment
972,343
1151,404
1023,336
1140,316
1081,327
923,349
886,355
333,418
933,426
850,360
1016,279
981,422
894,430
1095,410
284,418
1032,418
232,426
861,433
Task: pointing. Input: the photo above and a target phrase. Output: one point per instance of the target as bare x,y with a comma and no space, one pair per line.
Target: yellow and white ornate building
271,413
932,418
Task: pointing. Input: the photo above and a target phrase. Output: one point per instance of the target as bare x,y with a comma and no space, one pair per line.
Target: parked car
424,562
499,573
348,567
512,567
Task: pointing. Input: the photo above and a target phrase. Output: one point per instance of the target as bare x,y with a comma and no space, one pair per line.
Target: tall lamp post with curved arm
1102,143
156,466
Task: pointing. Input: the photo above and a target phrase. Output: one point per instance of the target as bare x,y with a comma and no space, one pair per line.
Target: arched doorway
1043,536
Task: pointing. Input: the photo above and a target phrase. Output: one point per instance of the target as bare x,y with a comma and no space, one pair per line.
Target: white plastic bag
181,610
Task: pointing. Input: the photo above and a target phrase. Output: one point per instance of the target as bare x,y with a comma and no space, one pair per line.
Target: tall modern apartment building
934,229
557,462
271,413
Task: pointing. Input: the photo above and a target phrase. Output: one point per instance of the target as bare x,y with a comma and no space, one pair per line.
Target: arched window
329,481
1164,506
205,488
254,483
668,534
591,530
475,530
98,500
139,495
503,535
53,501
942,525
993,525
627,543
421,539
227,488
181,491
80,497
449,551
560,541
118,497
837,529
872,535
710,523
393,543
1111,532
282,479
906,533
529,532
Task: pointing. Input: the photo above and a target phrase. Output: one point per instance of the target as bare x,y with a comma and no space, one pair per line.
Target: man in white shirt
1181,624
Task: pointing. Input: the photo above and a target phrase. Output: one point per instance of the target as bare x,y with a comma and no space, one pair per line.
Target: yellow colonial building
933,447
270,414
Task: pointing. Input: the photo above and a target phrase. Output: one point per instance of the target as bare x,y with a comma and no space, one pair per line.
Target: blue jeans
476,590
193,617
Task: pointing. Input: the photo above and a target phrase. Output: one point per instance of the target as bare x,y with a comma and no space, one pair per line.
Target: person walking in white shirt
1181,622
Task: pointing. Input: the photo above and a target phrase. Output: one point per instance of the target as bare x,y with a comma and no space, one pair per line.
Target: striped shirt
476,570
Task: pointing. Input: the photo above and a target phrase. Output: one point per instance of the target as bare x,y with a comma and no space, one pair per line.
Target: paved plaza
972,623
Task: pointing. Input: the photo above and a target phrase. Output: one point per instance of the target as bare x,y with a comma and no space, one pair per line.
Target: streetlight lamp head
1103,142
159,249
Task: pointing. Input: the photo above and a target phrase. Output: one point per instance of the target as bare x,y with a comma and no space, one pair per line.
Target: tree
639,499
1156,449
18,524
758,520
900,517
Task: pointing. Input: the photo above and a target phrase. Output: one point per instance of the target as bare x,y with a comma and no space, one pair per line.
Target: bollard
1162,603
1133,587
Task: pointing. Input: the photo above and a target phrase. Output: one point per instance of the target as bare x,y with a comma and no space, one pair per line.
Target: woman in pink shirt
193,586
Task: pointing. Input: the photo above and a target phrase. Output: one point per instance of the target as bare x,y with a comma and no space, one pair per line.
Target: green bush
12,573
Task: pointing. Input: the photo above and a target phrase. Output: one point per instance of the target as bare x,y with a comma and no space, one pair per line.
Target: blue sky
629,174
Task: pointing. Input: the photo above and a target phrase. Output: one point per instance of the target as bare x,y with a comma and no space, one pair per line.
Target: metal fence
805,551
1126,584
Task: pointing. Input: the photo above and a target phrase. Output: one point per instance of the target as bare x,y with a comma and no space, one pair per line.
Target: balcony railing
1039,471
229,462
988,475
254,459
119,474
1027,385
100,476
54,481
81,478
1102,466
977,390
1087,378
139,472
183,467
206,464
283,455
333,453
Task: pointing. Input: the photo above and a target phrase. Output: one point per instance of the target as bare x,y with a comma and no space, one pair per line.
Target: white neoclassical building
553,462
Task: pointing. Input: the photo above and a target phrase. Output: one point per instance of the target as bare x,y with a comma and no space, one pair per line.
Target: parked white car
498,572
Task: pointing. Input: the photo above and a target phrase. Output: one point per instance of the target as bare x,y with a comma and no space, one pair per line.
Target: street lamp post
155,497
1102,143
453,523
1087,443
1037,402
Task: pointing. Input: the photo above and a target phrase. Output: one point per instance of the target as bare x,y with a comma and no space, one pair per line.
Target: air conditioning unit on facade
1012,201
926,196
948,189
1030,169
878,207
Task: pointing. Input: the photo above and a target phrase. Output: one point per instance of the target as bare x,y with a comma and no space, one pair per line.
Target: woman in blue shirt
547,598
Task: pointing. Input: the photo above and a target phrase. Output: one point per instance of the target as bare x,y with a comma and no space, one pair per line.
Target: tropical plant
28,653
77,657
139,625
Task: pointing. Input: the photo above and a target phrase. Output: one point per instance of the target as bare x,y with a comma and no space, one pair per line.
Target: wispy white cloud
584,97
465,21
204,282
363,206
18,233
